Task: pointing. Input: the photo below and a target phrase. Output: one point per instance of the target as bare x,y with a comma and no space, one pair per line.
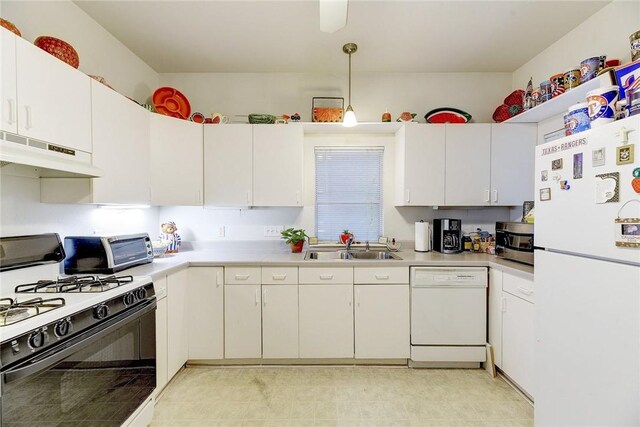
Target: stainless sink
373,255
337,255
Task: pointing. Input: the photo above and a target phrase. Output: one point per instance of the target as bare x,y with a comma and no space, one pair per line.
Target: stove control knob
101,311
141,293
37,339
62,328
129,299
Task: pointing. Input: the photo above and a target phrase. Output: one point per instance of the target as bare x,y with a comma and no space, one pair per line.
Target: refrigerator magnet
624,154
545,194
577,166
556,164
635,184
627,229
608,188
564,185
597,157
544,175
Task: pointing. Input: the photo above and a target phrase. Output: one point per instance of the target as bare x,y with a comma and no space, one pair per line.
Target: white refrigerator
587,278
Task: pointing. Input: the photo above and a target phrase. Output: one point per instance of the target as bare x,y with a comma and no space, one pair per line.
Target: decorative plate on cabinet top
171,102
9,26
447,115
59,48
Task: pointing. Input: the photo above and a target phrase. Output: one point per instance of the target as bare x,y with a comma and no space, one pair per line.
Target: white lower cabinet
206,313
326,320
242,322
511,327
382,321
495,314
161,334
177,322
279,321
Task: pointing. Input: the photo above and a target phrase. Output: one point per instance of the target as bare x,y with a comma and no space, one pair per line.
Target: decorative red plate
9,26
60,49
447,115
171,102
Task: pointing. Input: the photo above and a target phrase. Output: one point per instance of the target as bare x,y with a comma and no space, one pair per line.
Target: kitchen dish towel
422,237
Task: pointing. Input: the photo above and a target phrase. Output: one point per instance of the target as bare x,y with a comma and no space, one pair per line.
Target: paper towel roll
422,237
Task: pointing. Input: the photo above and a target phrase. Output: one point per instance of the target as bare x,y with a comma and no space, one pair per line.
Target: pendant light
349,120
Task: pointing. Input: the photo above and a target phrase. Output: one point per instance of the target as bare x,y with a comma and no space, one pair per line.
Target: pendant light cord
349,79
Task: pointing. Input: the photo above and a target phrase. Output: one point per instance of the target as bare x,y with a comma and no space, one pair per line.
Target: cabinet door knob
326,276
279,276
242,276
382,276
495,196
257,296
487,196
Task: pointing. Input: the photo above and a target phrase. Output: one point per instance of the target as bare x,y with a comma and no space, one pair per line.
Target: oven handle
57,354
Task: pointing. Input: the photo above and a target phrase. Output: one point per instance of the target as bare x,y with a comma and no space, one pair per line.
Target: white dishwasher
448,316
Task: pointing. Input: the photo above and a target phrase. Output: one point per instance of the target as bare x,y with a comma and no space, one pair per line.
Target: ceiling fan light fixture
349,119
333,15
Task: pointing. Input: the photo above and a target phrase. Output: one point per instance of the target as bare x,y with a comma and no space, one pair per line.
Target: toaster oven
106,255
514,241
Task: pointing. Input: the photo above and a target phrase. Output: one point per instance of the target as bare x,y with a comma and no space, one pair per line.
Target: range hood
51,161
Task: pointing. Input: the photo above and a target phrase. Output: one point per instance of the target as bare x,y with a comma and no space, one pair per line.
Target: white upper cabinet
277,165
54,102
9,110
420,163
120,129
253,165
512,160
176,161
468,156
228,173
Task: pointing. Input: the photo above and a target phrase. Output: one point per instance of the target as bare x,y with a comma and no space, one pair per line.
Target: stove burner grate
75,284
12,310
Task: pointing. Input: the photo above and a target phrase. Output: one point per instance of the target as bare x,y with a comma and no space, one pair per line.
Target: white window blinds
349,192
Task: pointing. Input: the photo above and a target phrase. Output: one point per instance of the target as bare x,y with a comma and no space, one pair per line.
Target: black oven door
99,377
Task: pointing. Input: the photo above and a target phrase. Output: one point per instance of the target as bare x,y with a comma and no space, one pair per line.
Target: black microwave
514,241
94,254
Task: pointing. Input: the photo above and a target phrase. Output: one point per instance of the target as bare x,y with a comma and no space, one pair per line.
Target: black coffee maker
447,236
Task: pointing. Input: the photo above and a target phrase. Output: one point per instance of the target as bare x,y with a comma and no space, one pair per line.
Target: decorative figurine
386,117
295,117
169,235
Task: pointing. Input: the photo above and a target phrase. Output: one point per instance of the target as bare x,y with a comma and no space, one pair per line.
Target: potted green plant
295,238
345,236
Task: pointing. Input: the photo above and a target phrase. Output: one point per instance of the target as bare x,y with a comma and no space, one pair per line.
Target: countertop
210,254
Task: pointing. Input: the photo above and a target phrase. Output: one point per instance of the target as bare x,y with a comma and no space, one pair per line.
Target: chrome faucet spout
348,243
366,246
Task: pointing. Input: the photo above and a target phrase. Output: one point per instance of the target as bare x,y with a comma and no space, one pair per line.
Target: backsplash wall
22,213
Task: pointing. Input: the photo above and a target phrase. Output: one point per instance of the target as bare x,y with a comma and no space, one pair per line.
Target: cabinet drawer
388,275
518,286
279,275
326,275
242,275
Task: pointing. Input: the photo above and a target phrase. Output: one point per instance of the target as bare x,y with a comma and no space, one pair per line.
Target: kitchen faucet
366,246
348,243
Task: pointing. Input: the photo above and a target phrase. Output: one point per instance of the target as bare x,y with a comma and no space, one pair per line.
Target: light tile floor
339,396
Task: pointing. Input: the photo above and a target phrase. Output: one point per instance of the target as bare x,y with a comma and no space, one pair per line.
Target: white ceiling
284,36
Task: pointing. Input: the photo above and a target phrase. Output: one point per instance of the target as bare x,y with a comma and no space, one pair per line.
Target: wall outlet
221,231
273,230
